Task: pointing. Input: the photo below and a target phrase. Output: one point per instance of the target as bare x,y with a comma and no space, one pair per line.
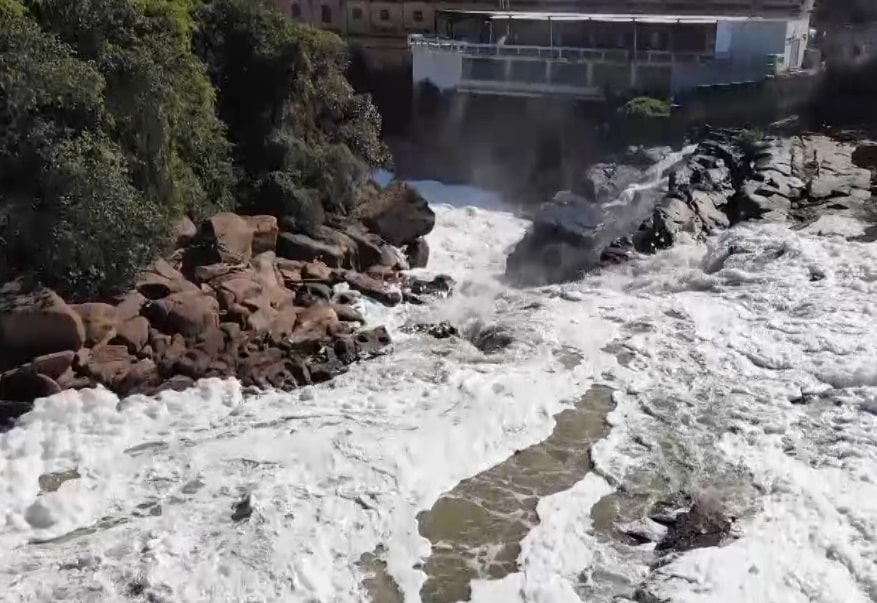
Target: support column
589,66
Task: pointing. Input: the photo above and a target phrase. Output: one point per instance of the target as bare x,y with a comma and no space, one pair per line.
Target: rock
99,320
373,288
314,326
439,286
109,364
368,247
10,410
242,509
349,257
370,342
490,339
302,247
35,321
865,156
129,306
441,330
749,205
347,313
229,238
186,313
50,482
417,253
604,182
696,528
318,271
398,214
672,218
24,385
142,377
133,334
265,232
161,279
184,232
54,365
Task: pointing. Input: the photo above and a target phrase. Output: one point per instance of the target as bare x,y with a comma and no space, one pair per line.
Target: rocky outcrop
239,298
728,178
398,214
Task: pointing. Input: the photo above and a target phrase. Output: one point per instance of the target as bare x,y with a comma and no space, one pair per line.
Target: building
595,55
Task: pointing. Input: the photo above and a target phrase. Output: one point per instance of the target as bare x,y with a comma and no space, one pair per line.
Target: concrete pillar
633,75
548,72
508,69
590,68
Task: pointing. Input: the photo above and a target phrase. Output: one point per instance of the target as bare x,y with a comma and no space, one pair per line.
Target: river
741,371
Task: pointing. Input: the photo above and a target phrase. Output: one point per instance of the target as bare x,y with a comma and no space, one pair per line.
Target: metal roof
609,17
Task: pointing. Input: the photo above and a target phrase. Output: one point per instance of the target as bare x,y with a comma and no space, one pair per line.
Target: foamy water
721,346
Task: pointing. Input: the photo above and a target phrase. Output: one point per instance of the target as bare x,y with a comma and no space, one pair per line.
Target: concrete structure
592,55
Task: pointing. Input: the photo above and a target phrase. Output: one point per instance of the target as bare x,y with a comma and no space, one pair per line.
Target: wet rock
373,288
35,321
417,253
50,482
141,377
604,182
490,339
865,156
441,330
703,525
398,214
439,286
242,509
371,342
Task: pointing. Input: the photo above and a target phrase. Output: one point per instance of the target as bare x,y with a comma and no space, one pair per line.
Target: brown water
476,529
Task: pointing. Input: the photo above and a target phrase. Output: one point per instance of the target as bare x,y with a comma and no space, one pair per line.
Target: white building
594,55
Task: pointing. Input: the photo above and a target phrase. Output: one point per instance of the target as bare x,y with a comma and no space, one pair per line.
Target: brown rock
54,365
99,320
238,290
187,313
66,379
109,364
130,306
418,253
302,247
25,385
212,342
265,231
398,214
368,246
142,377
184,231
283,324
231,236
133,334
210,272
33,322
194,363
347,313
318,271
372,288
161,279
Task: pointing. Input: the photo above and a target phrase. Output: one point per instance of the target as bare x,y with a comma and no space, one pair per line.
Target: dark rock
441,330
417,253
368,247
604,182
398,214
303,248
242,509
865,156
142,377
439,286
490,339
319,290
35,321
25,385
184,232
698,527
370,342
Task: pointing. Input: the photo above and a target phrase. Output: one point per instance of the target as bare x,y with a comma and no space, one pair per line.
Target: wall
753,39
442,68
797,37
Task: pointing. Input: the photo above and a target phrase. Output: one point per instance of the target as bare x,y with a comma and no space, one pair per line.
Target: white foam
721,345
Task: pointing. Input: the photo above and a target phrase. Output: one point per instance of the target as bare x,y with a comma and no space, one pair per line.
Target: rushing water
744,372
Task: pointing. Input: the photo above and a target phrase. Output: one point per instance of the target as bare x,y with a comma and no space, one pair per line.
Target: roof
609,17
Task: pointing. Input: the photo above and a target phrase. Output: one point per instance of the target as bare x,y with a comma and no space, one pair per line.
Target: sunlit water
749,377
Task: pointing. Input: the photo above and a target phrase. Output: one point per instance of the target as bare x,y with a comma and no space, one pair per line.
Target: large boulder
35,321
570,234
604,182
161,279
865,156
301,247
398,214
188,313
265,233
229,238
99,319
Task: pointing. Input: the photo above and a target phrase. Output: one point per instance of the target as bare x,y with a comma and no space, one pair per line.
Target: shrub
646,107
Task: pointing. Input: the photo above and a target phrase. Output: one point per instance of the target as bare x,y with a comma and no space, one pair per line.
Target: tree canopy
119,116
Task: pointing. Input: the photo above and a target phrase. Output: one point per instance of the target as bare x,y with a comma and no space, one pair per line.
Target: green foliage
302,137
68,213
118,116
646,107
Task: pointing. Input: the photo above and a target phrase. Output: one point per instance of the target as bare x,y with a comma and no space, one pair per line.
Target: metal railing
567,53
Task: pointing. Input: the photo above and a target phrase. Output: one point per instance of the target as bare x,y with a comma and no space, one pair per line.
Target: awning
606,17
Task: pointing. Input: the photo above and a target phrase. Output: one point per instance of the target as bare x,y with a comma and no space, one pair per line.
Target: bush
646,107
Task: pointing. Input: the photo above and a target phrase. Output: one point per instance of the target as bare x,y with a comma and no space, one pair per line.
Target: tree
68,214
303,140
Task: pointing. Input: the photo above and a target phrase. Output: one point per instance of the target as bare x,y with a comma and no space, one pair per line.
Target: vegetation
118,116
646,107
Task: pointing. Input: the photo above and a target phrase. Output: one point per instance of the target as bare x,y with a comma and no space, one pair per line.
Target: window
326,14
296,11
384,14
356,13
418,16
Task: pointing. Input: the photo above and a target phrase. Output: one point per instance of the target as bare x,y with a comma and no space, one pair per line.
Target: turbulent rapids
729,382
